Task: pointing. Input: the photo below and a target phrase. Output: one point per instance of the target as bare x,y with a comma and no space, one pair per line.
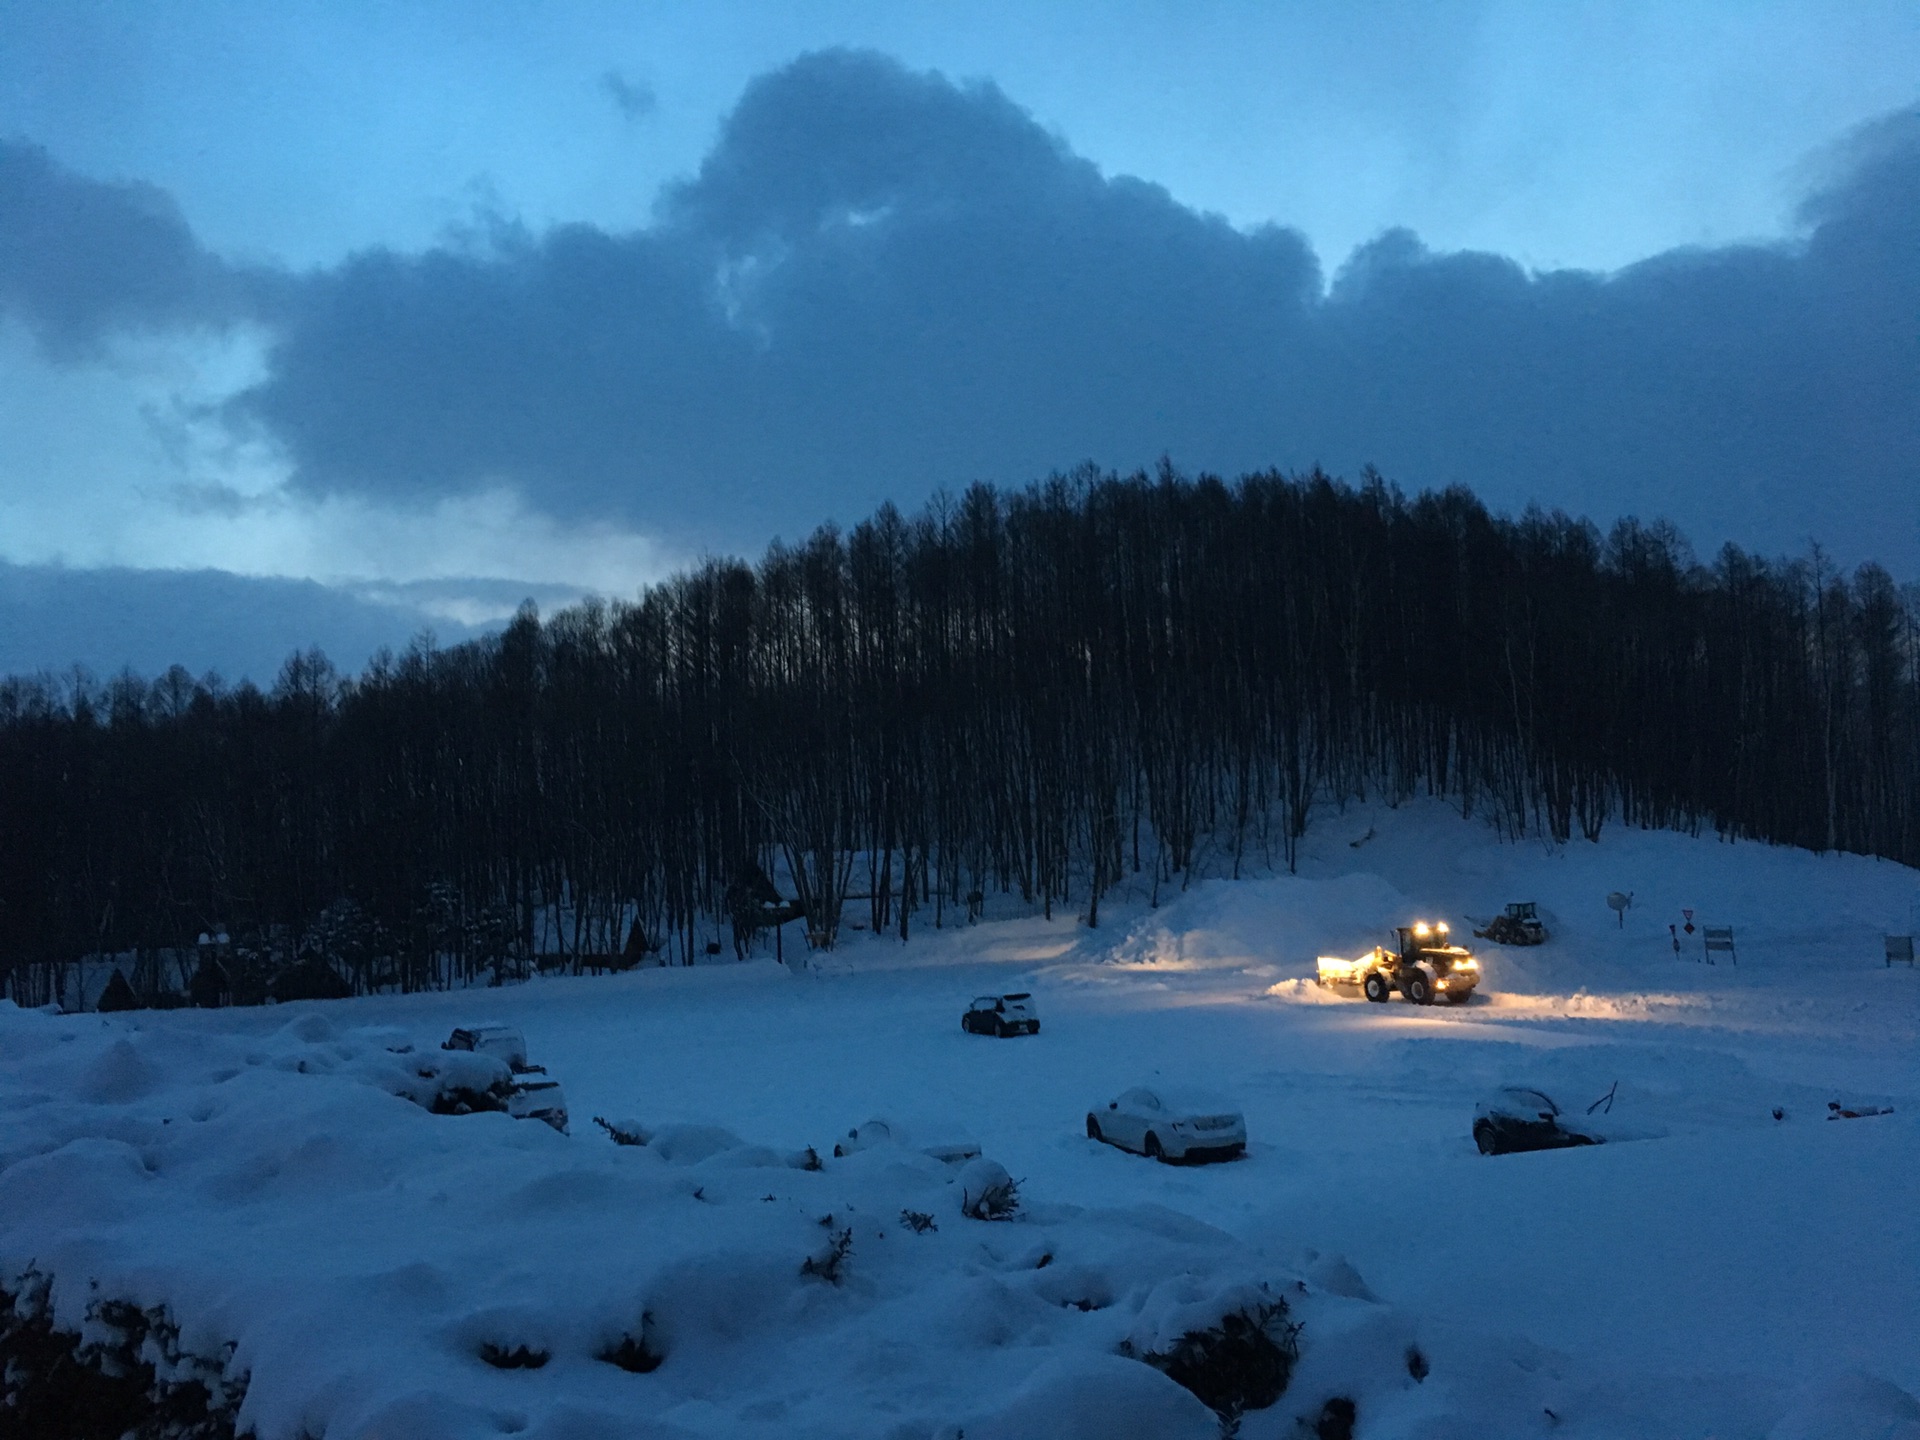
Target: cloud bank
109,619
880,282
81,260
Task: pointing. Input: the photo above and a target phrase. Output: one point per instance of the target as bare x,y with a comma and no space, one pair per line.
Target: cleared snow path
1713,1271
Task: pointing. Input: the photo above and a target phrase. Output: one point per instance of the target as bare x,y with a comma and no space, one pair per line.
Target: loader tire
1418,990
1376,988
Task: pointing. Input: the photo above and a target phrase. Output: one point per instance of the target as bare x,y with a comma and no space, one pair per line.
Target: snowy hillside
1710,1271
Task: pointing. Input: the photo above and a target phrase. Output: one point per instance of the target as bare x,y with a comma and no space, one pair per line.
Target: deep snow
1712,1271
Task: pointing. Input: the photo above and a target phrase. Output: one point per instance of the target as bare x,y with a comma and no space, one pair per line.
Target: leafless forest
1039,692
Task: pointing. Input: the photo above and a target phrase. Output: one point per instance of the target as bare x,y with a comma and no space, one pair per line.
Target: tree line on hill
1041,692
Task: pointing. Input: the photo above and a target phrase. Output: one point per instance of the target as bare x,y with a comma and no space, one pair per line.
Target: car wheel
1093,1129
1484,1137
1152,1147
1376,987
1033,1028
1418,990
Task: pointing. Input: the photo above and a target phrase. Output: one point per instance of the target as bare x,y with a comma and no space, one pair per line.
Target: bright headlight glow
1421,928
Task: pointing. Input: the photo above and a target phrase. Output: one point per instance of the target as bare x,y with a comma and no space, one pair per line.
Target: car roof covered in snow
1183,1099
1518,1100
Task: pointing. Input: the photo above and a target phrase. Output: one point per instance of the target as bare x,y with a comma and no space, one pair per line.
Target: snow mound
370,1264
1854,1406
1097,1397
117,1076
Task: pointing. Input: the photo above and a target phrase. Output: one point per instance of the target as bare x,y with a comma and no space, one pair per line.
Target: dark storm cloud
880,282
1769,394
52,618
876,283
80,259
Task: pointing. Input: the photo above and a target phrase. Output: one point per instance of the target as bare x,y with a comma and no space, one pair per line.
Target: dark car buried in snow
1515,1118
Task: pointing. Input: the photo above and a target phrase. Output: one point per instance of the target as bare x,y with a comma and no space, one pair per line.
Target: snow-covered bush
987,1191
624,1132
513,1357
123,1375
1234,1349
692,1144
830,1264
637,1353
1336,1419
451,1082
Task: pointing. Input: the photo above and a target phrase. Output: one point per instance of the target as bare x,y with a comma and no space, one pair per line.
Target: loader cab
1419,938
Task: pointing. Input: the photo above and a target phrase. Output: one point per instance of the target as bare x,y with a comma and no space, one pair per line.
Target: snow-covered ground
1712,1271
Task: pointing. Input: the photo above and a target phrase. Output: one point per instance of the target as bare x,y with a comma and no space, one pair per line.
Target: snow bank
375,1268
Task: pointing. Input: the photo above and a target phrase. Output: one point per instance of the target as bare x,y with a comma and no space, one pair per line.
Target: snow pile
288,1200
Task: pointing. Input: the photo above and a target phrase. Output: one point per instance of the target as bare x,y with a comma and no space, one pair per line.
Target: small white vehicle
1170,1125
1002,1015
954,1149
503,1042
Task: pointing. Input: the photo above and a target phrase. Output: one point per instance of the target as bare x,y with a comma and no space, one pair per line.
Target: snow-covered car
950,1145
503,1042
1013,1014
1170,1125
1516,1118
539,1100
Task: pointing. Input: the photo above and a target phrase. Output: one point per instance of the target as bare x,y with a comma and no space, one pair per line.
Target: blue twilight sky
439,305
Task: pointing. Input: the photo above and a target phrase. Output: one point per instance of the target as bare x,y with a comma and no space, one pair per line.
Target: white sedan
1169,1125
